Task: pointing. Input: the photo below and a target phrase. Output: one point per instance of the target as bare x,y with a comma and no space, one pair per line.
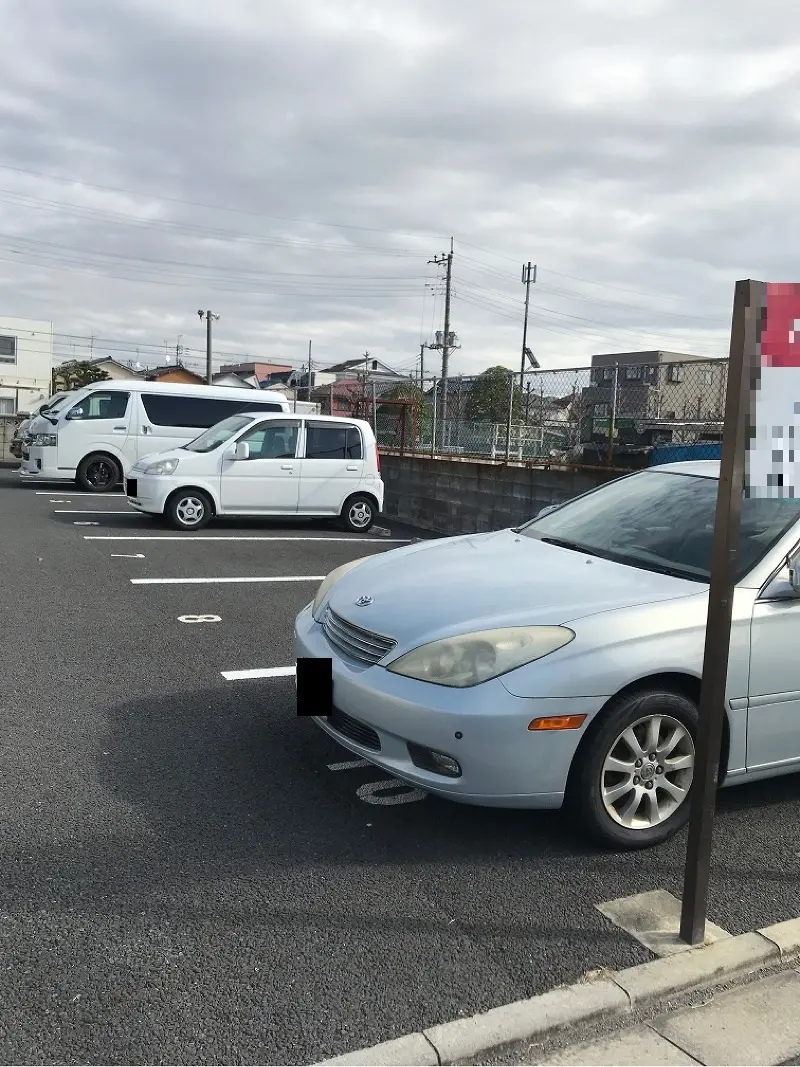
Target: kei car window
662,521
272,440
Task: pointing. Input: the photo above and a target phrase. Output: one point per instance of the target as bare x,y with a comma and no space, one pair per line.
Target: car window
333,441
198,412
99,405
272,440
218,435
663,521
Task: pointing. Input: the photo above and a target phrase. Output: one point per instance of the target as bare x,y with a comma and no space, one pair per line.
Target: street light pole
209,316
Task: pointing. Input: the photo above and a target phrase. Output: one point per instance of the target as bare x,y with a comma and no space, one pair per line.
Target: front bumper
151,491
40,462
503,763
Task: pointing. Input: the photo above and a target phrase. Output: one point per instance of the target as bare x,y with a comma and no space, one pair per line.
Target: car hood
444,587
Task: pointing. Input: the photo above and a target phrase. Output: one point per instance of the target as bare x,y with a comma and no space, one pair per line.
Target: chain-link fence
8,425
612,414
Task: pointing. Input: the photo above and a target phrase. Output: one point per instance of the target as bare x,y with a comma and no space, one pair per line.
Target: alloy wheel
647,773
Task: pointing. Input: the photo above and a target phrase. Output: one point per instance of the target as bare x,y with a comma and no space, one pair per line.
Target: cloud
296,165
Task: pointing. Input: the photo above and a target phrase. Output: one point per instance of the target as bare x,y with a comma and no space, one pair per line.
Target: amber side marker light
558,722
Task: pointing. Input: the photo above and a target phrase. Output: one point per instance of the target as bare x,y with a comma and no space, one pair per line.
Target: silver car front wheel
647,772
629,785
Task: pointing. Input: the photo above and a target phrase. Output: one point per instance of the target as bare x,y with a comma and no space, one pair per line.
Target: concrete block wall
458,496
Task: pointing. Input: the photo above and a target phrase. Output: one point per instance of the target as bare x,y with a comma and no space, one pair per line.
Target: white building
26,362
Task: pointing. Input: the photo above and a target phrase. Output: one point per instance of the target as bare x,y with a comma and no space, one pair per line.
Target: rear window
197,412
331,441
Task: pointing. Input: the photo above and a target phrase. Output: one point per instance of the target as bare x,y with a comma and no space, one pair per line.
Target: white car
271,465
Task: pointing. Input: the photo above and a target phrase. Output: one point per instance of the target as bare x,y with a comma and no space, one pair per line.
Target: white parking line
101,511
266,672
213,581
72,492
234,537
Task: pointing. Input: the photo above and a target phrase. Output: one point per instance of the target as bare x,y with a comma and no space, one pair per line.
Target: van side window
196,412
276,440
332,441
103,405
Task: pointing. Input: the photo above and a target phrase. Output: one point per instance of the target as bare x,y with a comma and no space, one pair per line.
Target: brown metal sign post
749,300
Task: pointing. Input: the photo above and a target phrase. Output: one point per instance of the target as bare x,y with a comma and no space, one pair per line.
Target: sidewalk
756,1022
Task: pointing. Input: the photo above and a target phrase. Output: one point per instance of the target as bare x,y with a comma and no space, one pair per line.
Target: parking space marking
60,501
127,555
199,618
232,581
96,511
47,492
86,524
266,672
234,537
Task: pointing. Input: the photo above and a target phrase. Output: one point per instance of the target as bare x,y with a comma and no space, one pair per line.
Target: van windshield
219,434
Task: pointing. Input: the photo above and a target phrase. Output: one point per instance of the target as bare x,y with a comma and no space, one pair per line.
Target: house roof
358,365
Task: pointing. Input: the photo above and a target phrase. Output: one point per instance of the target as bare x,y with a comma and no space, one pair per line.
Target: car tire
359,513
189,509
98,473
623,797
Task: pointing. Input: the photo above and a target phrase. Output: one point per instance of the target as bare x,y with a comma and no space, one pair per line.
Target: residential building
115,370
26,363
654,396
258,370
375,369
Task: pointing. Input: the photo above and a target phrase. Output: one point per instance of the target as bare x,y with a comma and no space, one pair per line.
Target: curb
611,994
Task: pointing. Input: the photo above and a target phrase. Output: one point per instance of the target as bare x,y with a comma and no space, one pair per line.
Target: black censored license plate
314,686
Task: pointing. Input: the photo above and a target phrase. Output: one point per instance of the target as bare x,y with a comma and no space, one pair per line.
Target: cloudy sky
295,164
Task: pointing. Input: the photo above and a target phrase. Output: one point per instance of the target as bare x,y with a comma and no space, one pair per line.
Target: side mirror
242,450
794,572
75,413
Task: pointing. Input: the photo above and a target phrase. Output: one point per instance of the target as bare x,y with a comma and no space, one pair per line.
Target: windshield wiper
573,546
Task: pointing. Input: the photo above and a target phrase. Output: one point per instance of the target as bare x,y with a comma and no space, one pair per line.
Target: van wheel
189,509
98,473
358,513
631,786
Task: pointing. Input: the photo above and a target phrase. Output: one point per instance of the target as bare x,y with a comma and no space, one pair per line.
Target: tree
75,374
489,395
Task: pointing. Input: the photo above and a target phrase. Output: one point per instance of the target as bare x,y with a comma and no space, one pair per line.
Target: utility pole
422,348
447,260
309,372
209,316
528,276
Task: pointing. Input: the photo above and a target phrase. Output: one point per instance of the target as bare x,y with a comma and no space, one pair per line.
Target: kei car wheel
189,509
358,513
631,788
98,473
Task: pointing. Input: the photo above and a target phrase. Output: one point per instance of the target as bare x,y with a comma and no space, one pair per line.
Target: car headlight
331,581
474,658
45,440
162,466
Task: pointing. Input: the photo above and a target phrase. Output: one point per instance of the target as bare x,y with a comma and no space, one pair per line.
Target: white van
97,437
277,465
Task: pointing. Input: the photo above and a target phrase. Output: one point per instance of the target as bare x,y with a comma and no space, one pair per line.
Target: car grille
361,645
355,730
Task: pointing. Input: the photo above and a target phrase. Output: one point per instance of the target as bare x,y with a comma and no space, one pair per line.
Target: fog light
428,759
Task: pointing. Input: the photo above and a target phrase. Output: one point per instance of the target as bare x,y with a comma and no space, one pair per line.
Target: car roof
218,392
267,416
700,468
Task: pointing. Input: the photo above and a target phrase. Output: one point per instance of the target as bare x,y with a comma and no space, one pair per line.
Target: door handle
120,429
352,467
287,467
145,429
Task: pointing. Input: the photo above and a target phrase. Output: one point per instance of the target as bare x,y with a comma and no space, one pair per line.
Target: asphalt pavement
190,874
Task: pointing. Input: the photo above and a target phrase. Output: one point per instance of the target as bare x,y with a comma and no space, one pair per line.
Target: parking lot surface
190,874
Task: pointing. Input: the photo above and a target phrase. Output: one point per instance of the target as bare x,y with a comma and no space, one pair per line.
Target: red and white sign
773,452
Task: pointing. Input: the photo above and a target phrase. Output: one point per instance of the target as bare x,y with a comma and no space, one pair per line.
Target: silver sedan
561,661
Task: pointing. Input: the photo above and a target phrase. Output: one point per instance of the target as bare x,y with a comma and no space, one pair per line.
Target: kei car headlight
331,581
474,658
162,466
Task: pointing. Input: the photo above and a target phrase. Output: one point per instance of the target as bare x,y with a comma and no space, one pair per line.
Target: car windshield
662,521
219,434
